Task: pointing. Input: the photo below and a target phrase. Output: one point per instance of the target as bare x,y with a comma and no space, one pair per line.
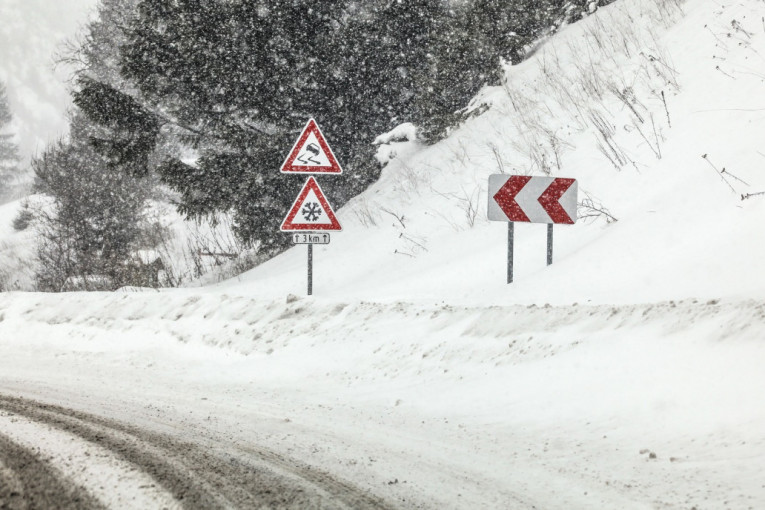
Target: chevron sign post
529,199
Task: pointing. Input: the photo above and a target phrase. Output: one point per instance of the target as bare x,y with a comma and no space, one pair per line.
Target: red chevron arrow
505,197
550,200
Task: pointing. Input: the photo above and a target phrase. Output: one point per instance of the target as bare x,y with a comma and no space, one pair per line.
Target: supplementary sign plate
310,238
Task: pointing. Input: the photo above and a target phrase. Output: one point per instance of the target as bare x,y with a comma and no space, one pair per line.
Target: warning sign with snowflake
311,154
311,211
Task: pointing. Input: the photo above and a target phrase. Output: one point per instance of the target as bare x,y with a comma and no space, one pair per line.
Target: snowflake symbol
311,211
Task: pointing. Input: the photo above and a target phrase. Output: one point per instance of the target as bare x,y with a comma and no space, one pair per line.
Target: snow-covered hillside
626,375
683,230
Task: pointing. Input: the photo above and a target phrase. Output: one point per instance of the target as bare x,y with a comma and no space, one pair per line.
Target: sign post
529,199
310,269
311,211
510,248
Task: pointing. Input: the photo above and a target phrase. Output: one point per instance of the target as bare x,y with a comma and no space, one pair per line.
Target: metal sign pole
510,240
310,269
549,243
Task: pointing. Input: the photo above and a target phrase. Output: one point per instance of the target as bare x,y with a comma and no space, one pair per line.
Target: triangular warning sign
311,154
311,211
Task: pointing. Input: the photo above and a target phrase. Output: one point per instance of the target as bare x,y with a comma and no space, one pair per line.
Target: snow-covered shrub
23,219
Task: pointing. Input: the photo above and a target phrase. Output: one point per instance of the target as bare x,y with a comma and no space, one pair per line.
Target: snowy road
54,457
215,398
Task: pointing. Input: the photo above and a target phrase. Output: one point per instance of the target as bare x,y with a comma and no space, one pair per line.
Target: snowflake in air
311,211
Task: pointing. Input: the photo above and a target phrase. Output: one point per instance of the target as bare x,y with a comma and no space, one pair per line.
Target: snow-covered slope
416,372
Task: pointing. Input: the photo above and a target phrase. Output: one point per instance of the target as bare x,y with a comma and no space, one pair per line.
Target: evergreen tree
9,155
399,46
107,99
459,61
235,81
96,220
508,28
240,79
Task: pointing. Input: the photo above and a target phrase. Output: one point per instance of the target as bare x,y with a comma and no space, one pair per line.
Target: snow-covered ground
626,375
435,405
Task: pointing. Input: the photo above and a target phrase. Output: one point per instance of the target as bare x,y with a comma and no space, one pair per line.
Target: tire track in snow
29,482
103,474
200,478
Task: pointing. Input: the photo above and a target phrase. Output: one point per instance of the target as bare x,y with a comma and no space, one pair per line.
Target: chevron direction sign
522,198
532,199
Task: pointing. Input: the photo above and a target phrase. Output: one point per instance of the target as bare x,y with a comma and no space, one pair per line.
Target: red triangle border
289,167
288,224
